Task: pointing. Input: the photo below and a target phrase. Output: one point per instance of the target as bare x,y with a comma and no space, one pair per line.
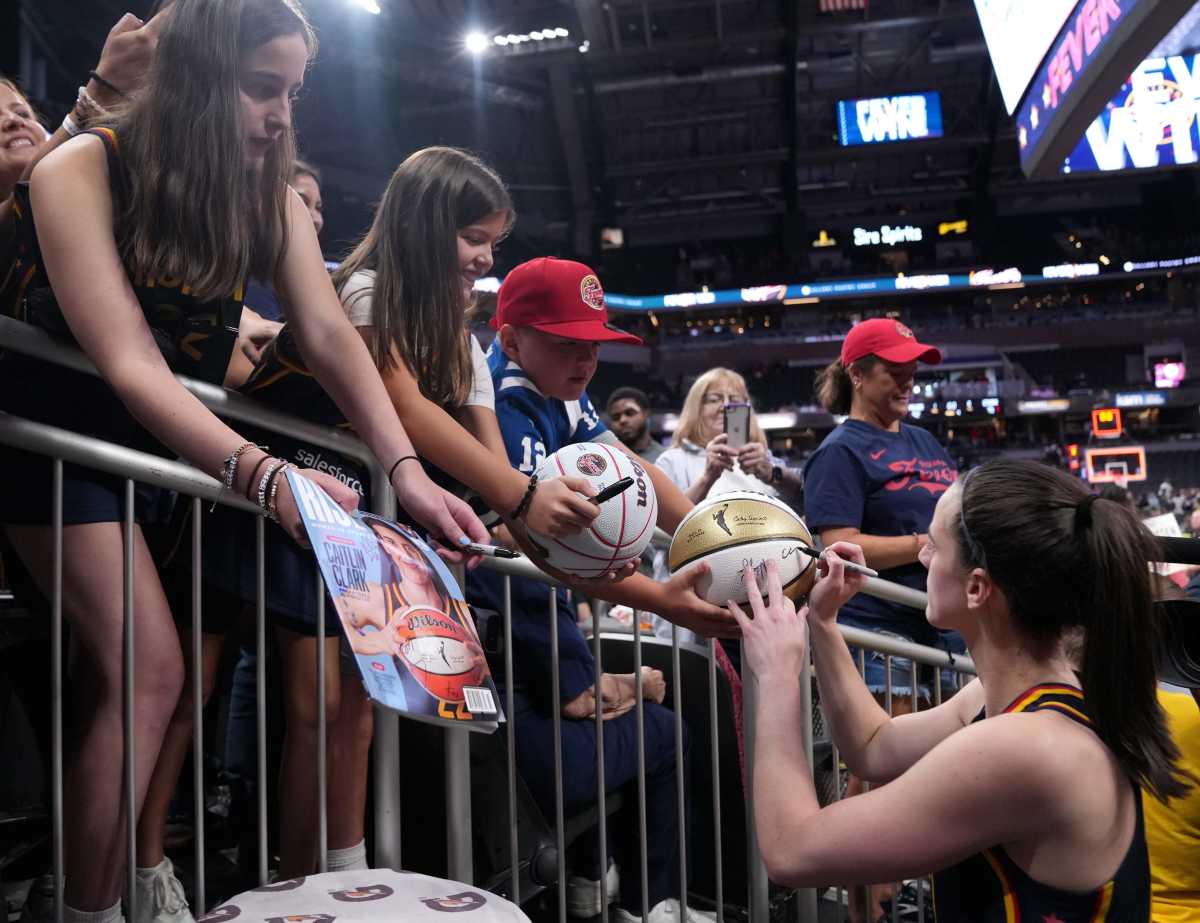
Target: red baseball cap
560,297
888,339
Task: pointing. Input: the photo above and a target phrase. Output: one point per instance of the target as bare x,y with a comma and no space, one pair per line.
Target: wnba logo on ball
591,464
591,293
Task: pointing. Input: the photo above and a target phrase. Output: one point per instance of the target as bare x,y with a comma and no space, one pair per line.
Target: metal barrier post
680,794
601,788
385,748
322,753
456,744
260,692
556,722
510,735
131,806
714,747
197,710
640,710
56,693
757,883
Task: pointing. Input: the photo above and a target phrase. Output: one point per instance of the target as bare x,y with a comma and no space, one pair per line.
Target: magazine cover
403,613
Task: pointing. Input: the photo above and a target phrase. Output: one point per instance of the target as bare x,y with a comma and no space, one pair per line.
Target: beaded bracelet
266,481
229,469
90,108
278,475
526,499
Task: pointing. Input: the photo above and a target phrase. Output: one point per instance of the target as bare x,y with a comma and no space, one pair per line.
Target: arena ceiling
683,120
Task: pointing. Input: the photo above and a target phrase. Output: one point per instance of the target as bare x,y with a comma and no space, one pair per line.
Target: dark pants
535,762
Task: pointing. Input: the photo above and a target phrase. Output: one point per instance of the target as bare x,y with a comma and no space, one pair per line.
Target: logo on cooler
591,292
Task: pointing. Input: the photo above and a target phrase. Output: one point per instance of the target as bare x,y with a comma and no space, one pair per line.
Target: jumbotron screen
1084,50
1018,35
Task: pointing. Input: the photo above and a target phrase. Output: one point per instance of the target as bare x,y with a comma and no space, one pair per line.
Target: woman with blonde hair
701,461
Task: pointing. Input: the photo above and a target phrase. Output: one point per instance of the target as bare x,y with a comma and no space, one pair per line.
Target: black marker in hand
612,490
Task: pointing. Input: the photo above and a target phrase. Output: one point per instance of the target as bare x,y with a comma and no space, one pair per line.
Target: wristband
70,126
92,75
254,474
526,499
402,458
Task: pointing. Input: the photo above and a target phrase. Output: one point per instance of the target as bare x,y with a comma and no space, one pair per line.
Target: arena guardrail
65,446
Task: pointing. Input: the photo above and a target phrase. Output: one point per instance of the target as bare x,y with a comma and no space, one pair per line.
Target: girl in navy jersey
146,233
1020,794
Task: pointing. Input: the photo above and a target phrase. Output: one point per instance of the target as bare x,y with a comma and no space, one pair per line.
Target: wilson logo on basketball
591,464
591,293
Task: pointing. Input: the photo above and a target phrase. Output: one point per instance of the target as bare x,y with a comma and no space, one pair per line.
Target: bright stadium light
369,5
476,42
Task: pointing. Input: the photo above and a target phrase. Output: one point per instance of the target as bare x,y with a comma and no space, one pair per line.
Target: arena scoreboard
1099,43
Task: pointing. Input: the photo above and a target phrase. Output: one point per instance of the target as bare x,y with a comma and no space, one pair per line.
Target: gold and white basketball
735,529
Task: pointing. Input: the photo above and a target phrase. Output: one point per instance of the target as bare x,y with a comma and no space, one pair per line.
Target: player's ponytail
1120,633
1066,560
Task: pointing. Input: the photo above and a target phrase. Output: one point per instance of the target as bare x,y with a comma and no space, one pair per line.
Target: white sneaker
160,896
668,911
583,894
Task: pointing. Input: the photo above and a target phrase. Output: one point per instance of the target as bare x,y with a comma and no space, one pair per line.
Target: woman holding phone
705,459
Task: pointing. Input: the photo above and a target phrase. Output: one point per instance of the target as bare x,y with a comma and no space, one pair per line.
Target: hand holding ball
742,529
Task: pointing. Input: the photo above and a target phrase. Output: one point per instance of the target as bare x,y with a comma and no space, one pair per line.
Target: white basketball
739,528
626,522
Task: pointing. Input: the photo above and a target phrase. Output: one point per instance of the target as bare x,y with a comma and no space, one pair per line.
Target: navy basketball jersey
990,888
196,337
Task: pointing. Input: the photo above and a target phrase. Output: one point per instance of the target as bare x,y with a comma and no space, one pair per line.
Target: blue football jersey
533,425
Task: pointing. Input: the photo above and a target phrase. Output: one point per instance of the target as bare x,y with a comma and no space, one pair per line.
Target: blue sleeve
522,439
834,492
590,425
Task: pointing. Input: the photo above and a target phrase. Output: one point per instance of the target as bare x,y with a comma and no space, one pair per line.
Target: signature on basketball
760,569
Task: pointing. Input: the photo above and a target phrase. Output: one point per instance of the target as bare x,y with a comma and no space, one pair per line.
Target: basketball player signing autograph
1021,793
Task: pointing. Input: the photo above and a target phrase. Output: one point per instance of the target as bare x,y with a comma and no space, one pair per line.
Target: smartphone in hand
737,425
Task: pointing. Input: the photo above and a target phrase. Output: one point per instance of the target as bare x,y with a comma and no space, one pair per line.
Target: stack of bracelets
268,484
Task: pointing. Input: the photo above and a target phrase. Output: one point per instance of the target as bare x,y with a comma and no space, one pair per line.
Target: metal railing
63,446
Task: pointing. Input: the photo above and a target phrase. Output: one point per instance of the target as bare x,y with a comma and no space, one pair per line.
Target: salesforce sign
889,118
1151,122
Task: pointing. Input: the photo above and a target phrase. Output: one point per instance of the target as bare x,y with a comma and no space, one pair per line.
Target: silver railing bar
131,805
198,709
640,710
714,744
31,341
806,898
456,744
56,692
757,886
601,790
260,693
556,723
322,743
680,793
510,735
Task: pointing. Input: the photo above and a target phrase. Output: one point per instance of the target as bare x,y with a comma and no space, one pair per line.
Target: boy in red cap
551,318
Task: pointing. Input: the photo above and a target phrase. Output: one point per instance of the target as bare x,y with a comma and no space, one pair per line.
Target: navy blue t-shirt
881,483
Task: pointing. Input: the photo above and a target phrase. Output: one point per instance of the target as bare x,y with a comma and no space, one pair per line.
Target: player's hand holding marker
838,582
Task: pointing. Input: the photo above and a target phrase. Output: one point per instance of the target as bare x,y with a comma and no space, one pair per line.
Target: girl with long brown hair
146,233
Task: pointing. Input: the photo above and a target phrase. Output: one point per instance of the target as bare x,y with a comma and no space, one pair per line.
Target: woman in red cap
875,481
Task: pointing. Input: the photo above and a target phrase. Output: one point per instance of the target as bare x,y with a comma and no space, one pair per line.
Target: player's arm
991,782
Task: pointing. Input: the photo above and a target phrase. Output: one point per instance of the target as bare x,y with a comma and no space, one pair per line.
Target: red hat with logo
560,297
888,339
